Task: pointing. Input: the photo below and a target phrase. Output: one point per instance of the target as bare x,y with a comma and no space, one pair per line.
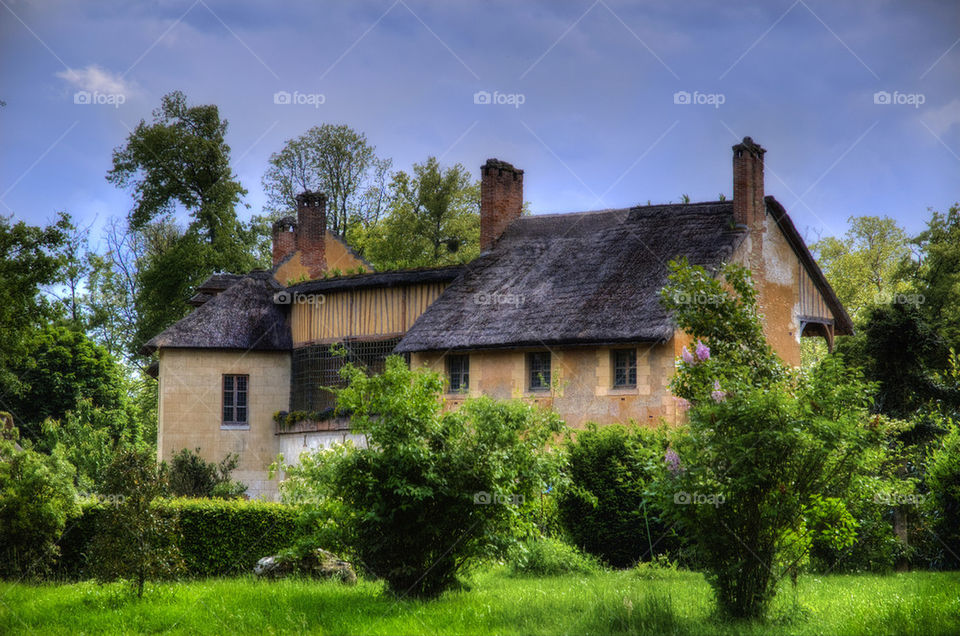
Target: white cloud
95,79
944,118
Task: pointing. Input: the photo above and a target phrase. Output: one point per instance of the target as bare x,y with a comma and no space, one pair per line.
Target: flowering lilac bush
764,446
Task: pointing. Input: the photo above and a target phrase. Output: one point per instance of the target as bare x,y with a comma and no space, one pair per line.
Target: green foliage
545,556
180,161
943,481
865,267
336,160
939,273
29,259
764,448
135,540
62,367
605,509
192,476
37,498
215,537
433,492
433,219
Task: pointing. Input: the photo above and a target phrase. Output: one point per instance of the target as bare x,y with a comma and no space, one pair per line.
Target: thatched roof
382,279
215,284
584,278
243,316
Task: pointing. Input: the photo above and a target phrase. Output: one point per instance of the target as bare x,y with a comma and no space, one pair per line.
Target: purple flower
687,356
703,352
717,394
683,404
673,461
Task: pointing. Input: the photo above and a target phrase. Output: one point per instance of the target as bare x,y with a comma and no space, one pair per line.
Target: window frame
234,393
534,384
463,372
629,369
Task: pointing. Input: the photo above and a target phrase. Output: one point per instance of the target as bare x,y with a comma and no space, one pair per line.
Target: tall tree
865,265
181,161
30,258
939,273
336,160
433,219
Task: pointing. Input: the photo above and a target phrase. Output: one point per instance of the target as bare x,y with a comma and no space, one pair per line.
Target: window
625,368
235,406
458,372
538,364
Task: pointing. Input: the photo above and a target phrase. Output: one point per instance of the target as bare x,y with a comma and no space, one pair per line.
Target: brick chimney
501,200
284,239
311,230
748,206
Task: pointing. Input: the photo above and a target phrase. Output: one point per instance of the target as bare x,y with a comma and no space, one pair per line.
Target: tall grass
496,603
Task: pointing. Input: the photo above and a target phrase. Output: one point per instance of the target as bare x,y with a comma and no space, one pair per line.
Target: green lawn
612,602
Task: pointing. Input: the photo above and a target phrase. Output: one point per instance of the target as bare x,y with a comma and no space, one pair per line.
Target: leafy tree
765,449
37,498
60,367
29,259
336,160
433,492
135,539
865,266
939,273
181,161
433,219
191,476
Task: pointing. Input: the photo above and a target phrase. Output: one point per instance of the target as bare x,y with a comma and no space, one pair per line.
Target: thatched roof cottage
561,309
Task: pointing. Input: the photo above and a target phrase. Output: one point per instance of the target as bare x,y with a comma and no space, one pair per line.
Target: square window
625,368
458,373
538,365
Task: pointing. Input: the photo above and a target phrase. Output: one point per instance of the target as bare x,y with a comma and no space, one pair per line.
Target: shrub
228,537
192,476
549,557
134,540
604,508
434,492
943,481
214,537
36,500
765,446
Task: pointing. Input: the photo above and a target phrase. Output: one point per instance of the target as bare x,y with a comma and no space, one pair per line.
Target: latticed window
538,364
318,366
235,406
625,368
458,372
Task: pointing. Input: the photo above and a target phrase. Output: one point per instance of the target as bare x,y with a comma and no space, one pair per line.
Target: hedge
216,537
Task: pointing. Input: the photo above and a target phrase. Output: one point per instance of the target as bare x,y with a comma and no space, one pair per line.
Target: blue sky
589,88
